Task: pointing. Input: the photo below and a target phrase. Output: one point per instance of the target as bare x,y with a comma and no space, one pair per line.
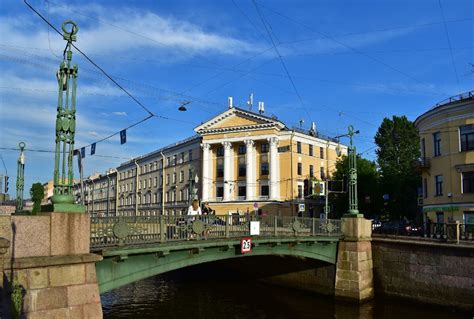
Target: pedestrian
207,210
193,211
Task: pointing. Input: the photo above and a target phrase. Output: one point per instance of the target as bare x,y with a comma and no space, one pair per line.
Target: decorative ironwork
65,122
108,231
20,178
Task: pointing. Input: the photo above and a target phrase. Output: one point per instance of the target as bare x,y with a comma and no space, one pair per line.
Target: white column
206,174
250,169
228,170
274,168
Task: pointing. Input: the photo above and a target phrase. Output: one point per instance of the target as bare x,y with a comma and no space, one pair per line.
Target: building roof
450,101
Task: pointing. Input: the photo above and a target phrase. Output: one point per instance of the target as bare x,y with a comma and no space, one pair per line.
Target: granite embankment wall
424,271
414,269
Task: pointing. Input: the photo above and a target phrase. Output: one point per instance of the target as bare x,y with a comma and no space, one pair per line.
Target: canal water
207,292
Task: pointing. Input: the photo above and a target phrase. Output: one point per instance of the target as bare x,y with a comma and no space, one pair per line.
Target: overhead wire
449,44
345,45
280,57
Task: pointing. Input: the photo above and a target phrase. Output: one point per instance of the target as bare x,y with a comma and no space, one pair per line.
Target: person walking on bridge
193,211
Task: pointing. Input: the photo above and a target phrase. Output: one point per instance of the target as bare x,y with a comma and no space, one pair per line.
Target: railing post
275,225
227,226
162,229
313,230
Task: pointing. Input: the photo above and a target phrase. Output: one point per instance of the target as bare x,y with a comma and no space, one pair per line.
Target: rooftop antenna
301,123
261,107
250,102
230,102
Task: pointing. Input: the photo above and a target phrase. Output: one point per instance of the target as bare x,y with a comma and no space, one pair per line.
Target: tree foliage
369,196
398,148
37,195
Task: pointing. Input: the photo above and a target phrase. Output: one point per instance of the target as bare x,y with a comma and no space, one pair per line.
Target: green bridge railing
110,231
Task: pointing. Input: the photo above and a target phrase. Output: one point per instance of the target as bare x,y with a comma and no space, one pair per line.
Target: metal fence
441,231
129,230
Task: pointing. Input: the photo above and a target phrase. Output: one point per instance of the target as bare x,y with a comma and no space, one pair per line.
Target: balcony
422,164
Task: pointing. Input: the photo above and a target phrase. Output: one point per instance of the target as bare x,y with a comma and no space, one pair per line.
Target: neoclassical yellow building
251,161
447,148
238,161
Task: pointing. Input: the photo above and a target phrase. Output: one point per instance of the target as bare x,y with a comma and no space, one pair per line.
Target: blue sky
351,62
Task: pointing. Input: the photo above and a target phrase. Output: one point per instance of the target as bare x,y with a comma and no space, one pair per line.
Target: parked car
399,227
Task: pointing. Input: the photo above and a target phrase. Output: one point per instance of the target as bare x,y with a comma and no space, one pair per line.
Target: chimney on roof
312,131
230,102
261,107
250,102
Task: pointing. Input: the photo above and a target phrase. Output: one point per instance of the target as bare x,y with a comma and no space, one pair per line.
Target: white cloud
126,30
120,113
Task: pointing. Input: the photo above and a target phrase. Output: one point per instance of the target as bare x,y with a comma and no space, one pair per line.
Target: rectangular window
220,151
241,149
311,150
161,180
322,173
264,148
174,178
437,143
190,155
468,182
220,171
220,191
149,182
264,190
300,191
174,159
190,174
439,185
150,167
181,176
155,182
168,161
425,188
140,185
155,166
242,170
180,196
300,169
283,149
242,191
466,136
154,198
298,147
321,152
182,158
264,169
167,179
311,170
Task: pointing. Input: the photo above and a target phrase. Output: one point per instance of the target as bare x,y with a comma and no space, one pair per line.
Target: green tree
37,195
368,194
398,148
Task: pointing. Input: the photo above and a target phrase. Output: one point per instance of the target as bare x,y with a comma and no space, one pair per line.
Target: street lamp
353,206
183,108
20,178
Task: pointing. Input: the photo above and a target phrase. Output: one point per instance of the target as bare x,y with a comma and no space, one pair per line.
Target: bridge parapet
133,230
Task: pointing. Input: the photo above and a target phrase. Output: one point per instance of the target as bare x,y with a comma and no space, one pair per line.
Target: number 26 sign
246,245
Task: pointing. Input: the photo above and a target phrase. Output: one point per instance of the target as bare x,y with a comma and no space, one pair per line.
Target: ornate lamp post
63,198
353,206
20,178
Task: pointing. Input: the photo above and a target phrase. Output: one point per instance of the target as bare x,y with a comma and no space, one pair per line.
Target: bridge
138,247
57,264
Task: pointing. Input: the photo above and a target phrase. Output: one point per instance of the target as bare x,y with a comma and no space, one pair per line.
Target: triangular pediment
235,119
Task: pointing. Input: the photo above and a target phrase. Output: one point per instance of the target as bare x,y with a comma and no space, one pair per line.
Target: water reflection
204,292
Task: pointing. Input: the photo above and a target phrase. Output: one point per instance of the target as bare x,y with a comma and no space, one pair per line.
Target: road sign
319,188
255,205
254,228
301,208
246,245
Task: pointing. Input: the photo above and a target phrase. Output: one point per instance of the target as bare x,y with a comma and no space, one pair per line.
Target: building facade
254,162
239,162
447,162
97,193
163,178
